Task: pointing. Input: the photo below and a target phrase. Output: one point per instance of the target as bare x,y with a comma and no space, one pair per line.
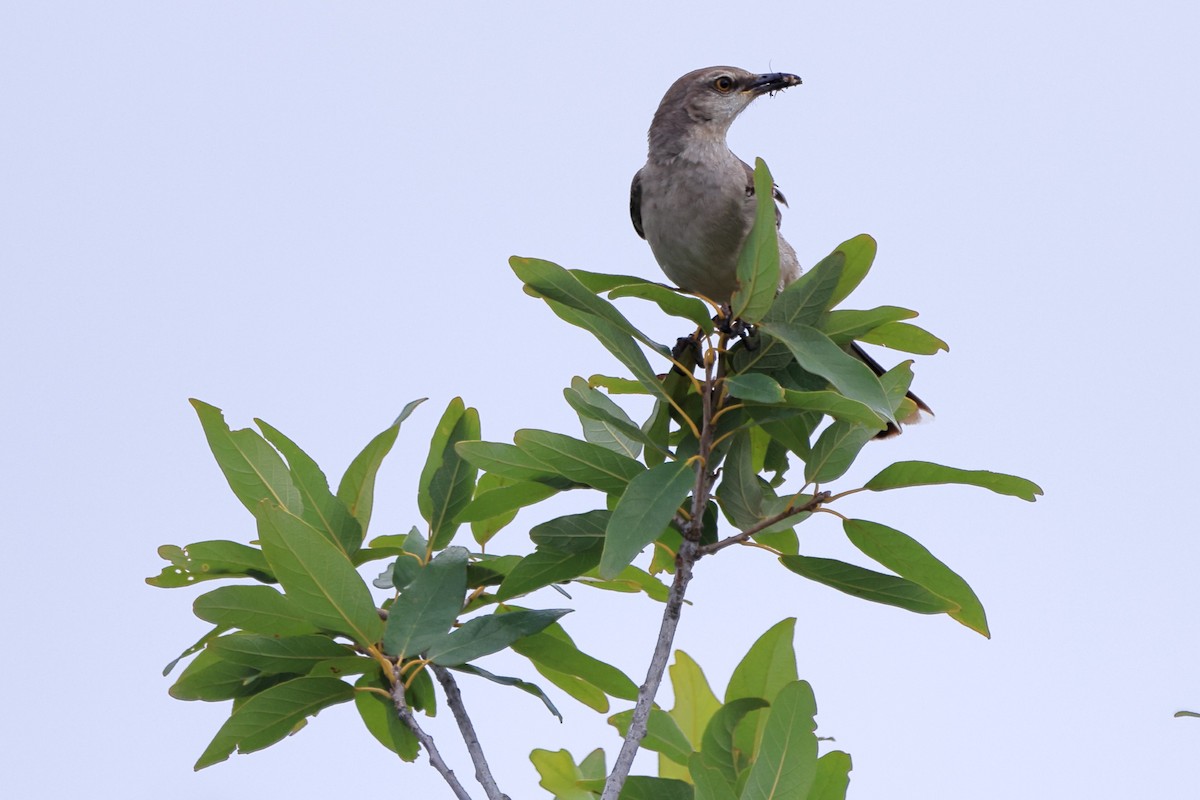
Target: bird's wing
779,198
635,204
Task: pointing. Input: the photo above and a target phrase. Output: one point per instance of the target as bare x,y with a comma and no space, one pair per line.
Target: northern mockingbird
694,200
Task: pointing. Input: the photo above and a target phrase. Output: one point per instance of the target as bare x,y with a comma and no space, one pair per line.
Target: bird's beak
771,82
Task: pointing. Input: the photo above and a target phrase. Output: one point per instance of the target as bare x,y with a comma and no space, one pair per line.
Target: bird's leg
735,328
686,352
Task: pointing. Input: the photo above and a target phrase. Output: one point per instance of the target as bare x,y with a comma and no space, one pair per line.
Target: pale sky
303,212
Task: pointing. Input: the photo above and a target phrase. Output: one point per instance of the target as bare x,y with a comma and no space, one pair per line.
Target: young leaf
859,254
869,585
486,635
379,715
768,666
717,746
910,560
662,734
643,512
833,777
758,262
357,487
786,765
923,473
559,775
321,509
429,605
256,609
525,686
579,462
817,353
318,576
695,702
272,714
253,469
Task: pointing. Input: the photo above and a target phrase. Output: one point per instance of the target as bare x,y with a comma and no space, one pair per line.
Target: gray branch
483,773
435,758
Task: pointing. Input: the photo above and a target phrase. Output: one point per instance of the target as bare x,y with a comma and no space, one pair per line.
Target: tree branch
483,773
435,758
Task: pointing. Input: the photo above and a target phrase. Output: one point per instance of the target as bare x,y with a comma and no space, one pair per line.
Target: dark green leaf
257,609
758,262
195,648
923,473
910,560
253,469
428,606
662,734
210,560
486,635
906,337
212,679
787,760
509,461
604,422
318,576
835,450
572,533
504,499
273,655
859,254
833,777
379,715
576,687
357,487
580,462
670,301
817,353
272,714
545,567
321,509
643,787
524,686
643,512
485,528
447,480
805,300
759,388
561,655
874,586
599,282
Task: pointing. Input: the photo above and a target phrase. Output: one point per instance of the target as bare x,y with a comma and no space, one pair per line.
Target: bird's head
705,102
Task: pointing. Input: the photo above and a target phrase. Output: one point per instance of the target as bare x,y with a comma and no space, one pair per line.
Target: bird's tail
892,429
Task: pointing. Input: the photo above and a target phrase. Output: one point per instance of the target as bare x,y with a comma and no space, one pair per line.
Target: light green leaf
643,512
504,499
429,605
835,450
758,262
604,422
580,462
272,714
786,765
357,487
670,301
805,300
833,777
768,666
717,746
257,609
844,326
559,775
695,702
710,781
923,473
644,787
204,561
906,337
486,635
859,254
253,469
379,715
867,584
662,734
560,654
910,560
318,576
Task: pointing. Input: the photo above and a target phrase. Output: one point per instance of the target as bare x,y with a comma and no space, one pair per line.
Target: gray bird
693,201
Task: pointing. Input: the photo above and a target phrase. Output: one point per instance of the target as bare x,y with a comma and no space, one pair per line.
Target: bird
693,200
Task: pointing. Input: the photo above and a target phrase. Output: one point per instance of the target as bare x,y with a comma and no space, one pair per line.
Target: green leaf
257,609
509,461
504,499
643,512
630,580
253,469
670,301
204,561
429,605
867,584
817,353
525,686
321,508
604,422
486,635
379,715
859,254
199,645
272,655
617,385
580,462
599,282
662,734
758,262
833,777
357,487
573,533
695,705
559,775
845,326
577,688
768,666
759,388
805,300
717,746
318,576
272,714
211,678
709,779
910,560
739,493
923,473
559,653
905,337
835,450
643,787
447,480
545,567
786,765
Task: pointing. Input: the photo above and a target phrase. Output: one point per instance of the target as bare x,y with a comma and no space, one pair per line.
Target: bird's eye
723,84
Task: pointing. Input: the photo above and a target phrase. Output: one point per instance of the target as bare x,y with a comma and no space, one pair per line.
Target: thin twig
812,505
435,758
483,773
